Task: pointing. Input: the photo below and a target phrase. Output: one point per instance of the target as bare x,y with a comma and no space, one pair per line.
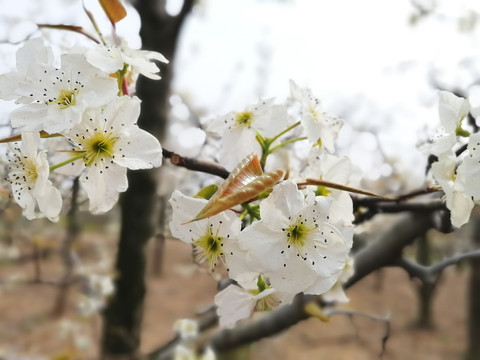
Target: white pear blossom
111,58
54,99
336,169
453,185
112,142
186,328
295,245
320,127
236,302
188,352
469,169
28,175
95,290
239,129
456,175
32,49
452,110
336,293
213,237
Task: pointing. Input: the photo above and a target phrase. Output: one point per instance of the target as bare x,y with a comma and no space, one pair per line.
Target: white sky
361,58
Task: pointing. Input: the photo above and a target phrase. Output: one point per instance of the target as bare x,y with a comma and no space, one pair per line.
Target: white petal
26,200
451,110
220,124
101,91
30,142
107,59
50,202
140,150
29,117
234,304
284,201
341,209
185,208
263,246
33,54
474,145
244,143
103,186
122,112
460,206
8,86
441,145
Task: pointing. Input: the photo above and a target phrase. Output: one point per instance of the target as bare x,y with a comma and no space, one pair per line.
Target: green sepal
253,211
322,191
459,131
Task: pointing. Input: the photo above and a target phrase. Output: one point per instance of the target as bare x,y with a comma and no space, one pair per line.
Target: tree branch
374,207
351,314
387,245
196,165
428,274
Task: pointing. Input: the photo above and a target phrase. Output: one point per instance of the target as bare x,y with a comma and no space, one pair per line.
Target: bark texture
123,316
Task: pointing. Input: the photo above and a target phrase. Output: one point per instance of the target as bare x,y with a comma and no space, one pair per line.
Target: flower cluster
85,102
297,239
457,172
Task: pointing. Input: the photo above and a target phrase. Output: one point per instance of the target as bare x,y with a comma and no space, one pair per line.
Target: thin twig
351,314
399,198
196,165
427,274
73,28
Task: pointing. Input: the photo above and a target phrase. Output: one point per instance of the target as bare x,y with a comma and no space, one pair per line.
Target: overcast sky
363,59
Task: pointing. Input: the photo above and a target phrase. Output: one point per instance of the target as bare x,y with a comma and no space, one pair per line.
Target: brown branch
35,281
196,165
428,274
415,207
73,28
365,201
351,314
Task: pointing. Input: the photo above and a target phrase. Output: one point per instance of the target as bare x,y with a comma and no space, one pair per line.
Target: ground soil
29,330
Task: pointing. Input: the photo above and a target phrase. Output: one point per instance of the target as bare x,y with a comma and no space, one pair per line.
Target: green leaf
207,192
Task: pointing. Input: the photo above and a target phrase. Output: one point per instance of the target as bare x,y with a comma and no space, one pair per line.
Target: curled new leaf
244,183
113,9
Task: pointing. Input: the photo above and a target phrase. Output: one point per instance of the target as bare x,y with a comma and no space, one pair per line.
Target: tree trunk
473,352
425,290
123,316
121,333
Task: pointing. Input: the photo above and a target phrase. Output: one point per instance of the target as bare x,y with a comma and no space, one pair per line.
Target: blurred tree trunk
473,352
159,239
123,316
425,290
